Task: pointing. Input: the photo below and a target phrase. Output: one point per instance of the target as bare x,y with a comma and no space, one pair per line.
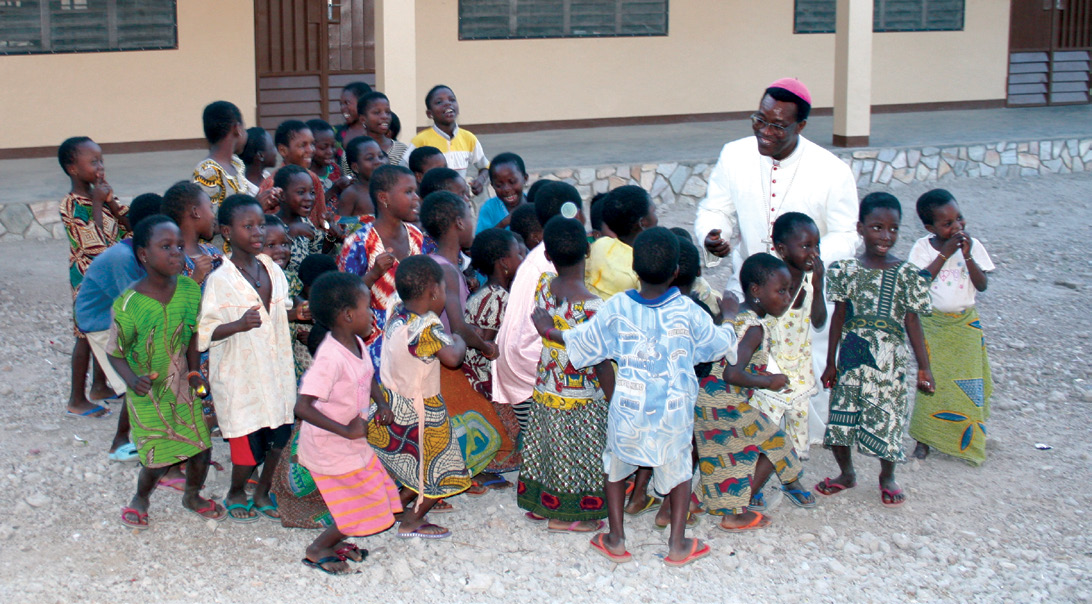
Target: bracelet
968,259
942,255
194,373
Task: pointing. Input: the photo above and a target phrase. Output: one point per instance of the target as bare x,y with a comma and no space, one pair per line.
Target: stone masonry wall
685,182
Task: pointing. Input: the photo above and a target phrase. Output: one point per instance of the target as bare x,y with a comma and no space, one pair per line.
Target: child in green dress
153,347
877,299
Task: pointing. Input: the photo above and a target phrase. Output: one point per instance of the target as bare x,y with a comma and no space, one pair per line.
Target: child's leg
77,399
324,546
679,547
265,482
145,485
197,470
615,540
847,479
121,435
99,388
236,494
639,499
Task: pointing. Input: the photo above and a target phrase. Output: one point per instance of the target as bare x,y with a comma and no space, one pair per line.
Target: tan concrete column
853,73
396,61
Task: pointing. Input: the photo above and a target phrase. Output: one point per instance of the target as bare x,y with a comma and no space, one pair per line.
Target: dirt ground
1014,530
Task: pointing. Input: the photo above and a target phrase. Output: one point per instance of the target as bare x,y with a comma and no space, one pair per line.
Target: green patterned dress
167,422
869,402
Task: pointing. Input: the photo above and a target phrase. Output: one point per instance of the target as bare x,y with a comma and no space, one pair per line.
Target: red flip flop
887,497
140,516
178,484
828,488
695,554
600,548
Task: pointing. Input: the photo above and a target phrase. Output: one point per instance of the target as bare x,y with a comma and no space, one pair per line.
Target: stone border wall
685,182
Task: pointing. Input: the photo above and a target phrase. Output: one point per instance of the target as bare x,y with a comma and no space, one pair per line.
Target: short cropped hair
507,158
525,222
373,96
255,139
314,266
439,211
218,119
656,255
358,89
178,199
285,174
319,125
333,292
352,148
489,247
415,274
144,229
66,153
420,155
287,130
803,108
876,201
624,209
757,268
272,220
143,206
788,223
689,263
930,201
551,196
436,179
231,206
596,211
566,241
432,92
383,180
683,234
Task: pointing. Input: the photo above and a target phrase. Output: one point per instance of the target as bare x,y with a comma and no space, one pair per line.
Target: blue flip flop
758,502
263,511
126,452
90,413
796,497
240,506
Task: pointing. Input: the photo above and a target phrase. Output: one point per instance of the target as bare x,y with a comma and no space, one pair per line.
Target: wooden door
306,50
1050,51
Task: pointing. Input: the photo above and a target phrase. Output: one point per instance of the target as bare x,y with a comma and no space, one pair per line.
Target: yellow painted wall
134,96
718,57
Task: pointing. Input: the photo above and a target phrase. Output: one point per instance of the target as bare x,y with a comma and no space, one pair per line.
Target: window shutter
814,16
21,27
37,26
485,19
818,16
146,24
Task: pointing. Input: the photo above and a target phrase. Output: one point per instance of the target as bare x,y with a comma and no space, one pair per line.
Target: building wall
134,96
717,57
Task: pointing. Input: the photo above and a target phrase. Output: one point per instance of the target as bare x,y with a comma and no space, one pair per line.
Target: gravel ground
1013,530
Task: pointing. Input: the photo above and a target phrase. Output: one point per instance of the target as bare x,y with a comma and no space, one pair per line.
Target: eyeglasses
760,124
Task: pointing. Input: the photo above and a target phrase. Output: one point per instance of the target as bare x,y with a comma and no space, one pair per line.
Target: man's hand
715,245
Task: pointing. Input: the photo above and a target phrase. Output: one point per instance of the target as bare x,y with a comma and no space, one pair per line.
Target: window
498,19
817,16
48,26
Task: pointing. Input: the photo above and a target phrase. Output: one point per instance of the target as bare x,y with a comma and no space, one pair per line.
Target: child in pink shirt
334,406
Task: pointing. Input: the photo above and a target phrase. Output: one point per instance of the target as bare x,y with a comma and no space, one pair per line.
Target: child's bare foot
350,551
136,515
921,451
205,508
326,560
265,505
830,486
239,508
81,406
747,521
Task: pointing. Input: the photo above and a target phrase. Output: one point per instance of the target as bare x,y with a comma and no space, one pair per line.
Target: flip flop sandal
419,535
90,413
177,484
141,516
318,565
758,503
476,489
264,510
350,551
887,497
651,505
248,506
496,484
125,453
442,507
695,554
210,507
755,524
797,498
691,521
533,517
601,549
831,488
574,527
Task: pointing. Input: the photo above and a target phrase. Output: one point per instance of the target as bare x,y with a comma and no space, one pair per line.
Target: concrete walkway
27,181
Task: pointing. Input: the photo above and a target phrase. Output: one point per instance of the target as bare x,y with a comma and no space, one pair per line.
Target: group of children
370,346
